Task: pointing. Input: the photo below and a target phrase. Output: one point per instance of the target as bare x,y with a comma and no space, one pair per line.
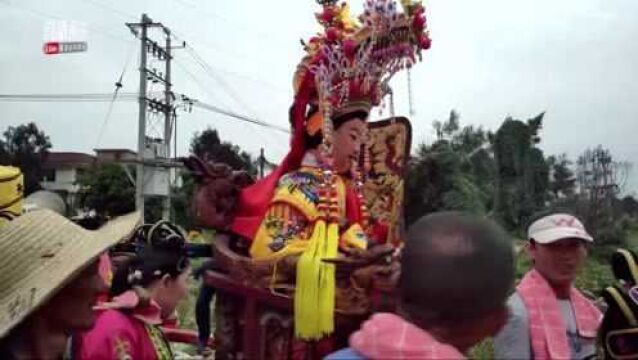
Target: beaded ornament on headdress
362,58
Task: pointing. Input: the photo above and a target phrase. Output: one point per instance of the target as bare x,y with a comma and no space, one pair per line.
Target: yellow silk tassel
307,288
327,280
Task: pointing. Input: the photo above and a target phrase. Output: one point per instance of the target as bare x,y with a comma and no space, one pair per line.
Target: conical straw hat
40,252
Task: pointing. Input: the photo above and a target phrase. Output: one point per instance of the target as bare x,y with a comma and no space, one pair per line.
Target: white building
62,171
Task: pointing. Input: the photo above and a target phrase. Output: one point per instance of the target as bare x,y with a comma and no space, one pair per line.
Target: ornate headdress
348,66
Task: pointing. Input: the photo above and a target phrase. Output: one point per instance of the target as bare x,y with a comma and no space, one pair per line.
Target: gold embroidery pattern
122,350
162,348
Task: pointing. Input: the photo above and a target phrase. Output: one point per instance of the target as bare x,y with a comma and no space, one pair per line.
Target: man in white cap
549,318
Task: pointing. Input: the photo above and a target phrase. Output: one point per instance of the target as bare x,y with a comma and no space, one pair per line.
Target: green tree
563,180
26,147
108,190
629,205
523,173
208,146
181,201
454,173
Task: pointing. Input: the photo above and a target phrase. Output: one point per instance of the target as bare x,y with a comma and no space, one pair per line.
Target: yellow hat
11,193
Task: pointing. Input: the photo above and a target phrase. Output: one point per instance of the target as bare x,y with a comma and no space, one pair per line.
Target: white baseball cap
551,228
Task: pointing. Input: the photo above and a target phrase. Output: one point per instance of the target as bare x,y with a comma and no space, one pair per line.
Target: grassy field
186,308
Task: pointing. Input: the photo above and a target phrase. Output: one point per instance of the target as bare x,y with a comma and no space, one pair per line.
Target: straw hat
40,252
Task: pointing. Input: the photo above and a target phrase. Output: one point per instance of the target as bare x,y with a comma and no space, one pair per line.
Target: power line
112,9
65,100
234,54
118,86
78,96
105,97
214,108
197,81
210,71
232,73
202,11
228,113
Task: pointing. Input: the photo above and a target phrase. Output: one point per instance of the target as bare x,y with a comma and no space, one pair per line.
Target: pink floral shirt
124,330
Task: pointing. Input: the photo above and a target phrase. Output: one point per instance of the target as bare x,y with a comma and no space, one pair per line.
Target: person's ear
530,246
166,280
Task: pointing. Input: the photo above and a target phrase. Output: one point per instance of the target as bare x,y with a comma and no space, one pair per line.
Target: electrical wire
245,28
211,72
94,97
118,86
112,9
215,109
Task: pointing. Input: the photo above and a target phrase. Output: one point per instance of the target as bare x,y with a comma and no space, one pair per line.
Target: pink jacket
124,330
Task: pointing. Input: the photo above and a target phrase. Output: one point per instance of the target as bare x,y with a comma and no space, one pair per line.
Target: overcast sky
575,59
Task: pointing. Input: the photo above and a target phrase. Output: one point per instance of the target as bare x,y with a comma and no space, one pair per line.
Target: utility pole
262,162
154,145
168,122
141,135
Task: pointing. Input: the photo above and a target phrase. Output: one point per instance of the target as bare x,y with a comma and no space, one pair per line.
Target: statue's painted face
347,141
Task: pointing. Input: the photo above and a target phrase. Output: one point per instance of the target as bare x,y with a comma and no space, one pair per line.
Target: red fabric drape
254,200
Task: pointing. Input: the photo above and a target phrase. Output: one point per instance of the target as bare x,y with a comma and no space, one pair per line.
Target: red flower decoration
327,15
349,48
332,34
425,42
418,23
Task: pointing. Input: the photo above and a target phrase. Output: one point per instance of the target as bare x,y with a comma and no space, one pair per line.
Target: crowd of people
457,273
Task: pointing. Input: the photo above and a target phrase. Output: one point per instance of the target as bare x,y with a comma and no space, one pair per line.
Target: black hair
90,222
313,141
160,250
455,266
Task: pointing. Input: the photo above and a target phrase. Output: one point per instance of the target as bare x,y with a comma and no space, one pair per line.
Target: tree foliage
506,175
453,173
25,146
208,146
523,174
562,179
107,190
598,175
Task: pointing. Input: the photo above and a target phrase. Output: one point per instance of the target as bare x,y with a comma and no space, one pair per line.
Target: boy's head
558,245
456,273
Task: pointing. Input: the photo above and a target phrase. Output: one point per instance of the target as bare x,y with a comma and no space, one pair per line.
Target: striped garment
546,325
